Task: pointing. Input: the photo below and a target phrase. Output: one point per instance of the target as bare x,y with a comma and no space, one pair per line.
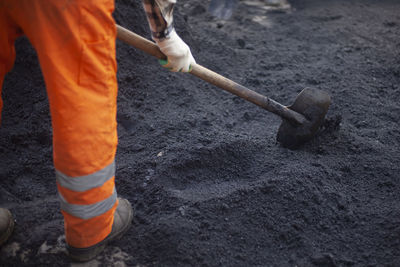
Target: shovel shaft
215,78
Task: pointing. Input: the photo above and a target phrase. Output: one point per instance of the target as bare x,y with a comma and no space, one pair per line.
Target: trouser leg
8,34
75,42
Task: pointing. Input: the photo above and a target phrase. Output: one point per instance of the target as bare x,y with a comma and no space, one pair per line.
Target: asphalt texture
209,183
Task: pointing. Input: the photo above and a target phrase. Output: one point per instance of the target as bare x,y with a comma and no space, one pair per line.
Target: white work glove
178,53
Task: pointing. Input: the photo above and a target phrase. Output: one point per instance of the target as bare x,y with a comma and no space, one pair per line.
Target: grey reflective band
88,211
83,183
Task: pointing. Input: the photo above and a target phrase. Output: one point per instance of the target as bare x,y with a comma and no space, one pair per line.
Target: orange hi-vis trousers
75,44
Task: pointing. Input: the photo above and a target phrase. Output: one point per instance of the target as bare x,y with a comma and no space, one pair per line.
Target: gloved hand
178,53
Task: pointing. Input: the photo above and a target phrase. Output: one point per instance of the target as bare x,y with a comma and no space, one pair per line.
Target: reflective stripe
83,183
88,211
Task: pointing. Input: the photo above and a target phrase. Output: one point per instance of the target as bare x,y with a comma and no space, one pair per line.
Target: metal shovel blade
222,9
314,105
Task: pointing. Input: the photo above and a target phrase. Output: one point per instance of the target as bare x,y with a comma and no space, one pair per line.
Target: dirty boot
122,221
6,225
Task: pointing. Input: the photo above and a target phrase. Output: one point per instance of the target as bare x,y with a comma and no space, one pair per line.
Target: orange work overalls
75,44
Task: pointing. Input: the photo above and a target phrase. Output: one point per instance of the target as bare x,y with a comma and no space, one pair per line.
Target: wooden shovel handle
214,78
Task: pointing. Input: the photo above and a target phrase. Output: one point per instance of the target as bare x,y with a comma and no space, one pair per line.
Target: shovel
301,120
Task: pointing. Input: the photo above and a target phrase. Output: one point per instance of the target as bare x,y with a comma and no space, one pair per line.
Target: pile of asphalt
209,184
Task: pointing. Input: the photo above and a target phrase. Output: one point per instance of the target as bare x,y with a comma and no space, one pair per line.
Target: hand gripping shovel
300,120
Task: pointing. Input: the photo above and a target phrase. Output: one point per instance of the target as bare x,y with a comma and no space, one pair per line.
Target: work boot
6,225
122,221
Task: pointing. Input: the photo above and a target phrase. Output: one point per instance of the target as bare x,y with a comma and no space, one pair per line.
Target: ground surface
209,184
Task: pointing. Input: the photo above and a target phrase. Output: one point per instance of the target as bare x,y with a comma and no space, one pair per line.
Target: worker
75,44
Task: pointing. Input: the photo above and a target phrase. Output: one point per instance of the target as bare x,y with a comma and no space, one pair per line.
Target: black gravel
209,183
